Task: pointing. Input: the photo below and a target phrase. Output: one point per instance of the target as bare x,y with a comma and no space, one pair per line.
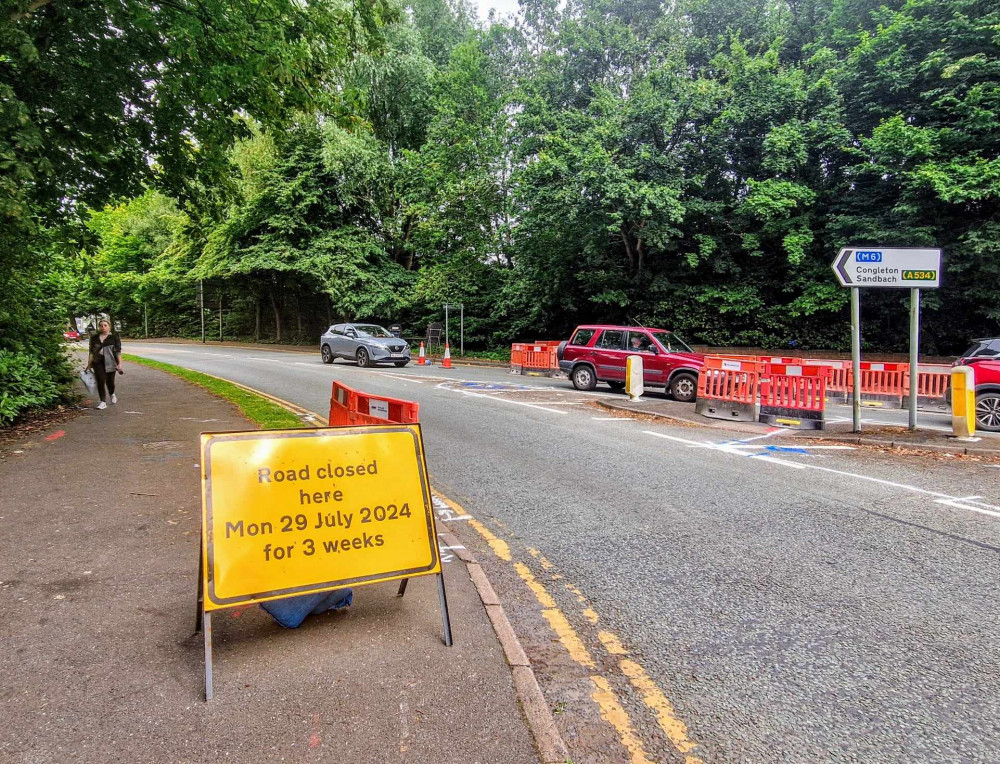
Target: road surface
778,602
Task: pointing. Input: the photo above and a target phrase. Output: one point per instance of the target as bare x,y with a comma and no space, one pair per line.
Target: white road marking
405,378
771,434
501,400
611,419
939,498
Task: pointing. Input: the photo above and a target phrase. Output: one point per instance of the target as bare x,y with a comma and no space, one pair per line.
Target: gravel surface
793,604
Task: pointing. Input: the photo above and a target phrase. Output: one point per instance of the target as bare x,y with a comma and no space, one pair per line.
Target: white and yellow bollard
633,377
963,401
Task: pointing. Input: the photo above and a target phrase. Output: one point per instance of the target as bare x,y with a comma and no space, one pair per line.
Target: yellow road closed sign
287,512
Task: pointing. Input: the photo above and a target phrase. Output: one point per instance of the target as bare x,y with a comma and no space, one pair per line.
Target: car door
352,341
610,355
655,371
338,343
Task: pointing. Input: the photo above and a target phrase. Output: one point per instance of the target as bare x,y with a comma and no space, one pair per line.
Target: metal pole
914,355
201,306
207,621
856,353
446,322
462,327
220,316
445,618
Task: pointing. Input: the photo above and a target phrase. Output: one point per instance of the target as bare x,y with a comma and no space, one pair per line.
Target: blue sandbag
290,612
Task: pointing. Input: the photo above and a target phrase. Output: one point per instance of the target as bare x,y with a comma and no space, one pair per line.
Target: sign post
461,318
888,268
292,512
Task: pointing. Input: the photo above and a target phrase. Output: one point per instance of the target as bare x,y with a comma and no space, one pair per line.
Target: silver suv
367,344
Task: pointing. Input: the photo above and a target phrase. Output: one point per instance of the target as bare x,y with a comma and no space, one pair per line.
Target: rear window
611,339
582,336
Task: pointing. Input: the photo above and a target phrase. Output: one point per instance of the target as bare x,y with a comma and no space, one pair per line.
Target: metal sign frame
461,308
203,615
922,277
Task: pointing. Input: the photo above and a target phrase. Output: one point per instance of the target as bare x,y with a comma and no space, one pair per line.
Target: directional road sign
893,268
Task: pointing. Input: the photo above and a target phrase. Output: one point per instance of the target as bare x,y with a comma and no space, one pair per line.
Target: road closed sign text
287,512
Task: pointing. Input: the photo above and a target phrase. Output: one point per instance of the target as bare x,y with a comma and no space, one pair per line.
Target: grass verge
268,415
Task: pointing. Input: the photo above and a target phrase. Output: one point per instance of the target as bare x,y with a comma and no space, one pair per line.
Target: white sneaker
102,405
114,398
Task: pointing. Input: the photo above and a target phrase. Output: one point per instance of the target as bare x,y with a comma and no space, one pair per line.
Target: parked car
985,349
72,335
367,344
597,353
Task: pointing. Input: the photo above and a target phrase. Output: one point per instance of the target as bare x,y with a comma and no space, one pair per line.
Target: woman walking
105,359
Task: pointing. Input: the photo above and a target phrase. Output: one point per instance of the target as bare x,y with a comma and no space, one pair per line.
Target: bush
24,385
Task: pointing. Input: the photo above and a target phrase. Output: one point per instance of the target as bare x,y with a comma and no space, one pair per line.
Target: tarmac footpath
100,520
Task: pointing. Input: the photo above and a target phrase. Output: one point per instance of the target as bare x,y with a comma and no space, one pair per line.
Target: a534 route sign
888,267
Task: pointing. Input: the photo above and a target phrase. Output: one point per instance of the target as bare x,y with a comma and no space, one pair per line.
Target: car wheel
327,354
988,412
583,378
616,385
684,388
400,364
364,360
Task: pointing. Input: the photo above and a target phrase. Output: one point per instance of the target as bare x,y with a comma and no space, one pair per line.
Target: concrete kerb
537,714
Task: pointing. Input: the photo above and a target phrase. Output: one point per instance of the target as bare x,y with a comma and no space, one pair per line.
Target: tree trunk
628,251
298,315
256,326
277,316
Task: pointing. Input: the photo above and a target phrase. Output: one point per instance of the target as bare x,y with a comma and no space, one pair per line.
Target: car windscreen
371,330
672,343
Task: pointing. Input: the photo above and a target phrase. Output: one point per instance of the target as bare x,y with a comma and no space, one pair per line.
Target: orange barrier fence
727,389
349,406
933,381
517,358
793,395
536,358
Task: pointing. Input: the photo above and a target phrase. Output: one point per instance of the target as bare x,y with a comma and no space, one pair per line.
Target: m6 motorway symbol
888,267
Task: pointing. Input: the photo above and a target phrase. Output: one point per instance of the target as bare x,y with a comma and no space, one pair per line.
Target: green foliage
694,165
24,385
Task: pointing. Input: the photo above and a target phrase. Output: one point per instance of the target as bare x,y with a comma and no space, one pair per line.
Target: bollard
633,377
963,401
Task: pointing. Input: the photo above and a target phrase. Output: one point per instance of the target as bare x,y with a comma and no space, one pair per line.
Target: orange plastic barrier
516,358
342,403
793,395
349,406
882,383
539,358
933,381
727,389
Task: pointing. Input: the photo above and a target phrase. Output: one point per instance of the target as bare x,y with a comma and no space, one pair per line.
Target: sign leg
402,587
207,618
856,353
914,355
444,610
199,591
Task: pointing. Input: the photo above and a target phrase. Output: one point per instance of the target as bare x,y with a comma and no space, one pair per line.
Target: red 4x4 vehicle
597,353
984,359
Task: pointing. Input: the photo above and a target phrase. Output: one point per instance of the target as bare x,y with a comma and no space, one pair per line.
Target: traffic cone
422,359
446,361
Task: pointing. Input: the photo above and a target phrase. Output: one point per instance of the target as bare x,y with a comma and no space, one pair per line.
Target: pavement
98,575
690,594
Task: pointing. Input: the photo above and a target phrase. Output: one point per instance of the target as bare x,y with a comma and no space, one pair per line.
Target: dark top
97,346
